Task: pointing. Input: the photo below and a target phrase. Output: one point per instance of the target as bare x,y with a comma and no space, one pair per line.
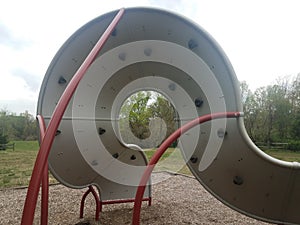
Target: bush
294,145
3,142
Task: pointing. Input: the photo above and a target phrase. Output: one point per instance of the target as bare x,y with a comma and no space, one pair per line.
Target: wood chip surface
177,199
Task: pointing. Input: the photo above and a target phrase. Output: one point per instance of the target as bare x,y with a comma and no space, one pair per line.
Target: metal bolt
58,132
198,102
101,131
94,163
116,155
238,180
194,159
192,44
62,80
221,133
122,56
148,51
172,86
114,33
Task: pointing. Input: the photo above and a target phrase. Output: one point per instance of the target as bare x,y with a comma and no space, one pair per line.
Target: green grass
171,161
285,155
16,165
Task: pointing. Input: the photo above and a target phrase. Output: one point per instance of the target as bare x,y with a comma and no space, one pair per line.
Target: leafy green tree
271,112
163,109
295,131
18,127
3,127
294,97
135,112
143,110
250,109
3,141
139,117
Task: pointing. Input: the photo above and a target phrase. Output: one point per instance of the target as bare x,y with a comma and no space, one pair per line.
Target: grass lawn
171,161
16,165
285,155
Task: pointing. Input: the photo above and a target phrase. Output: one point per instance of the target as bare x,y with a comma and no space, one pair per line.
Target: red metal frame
39,167
45,179
40,171
109,202
99,203
160,151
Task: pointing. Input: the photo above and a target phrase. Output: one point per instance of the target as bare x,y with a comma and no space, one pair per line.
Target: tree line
272,114
15,127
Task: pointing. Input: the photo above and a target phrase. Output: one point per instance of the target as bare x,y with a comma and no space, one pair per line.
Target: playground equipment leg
160,151
98,205
45,179
39,167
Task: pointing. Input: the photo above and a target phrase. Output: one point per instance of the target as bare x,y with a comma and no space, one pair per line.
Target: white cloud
261,38
15,88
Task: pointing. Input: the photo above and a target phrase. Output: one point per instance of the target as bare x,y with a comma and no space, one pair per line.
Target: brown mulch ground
177,199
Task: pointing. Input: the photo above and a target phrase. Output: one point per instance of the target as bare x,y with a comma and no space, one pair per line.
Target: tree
18,127
3,141
145,110
250,109
271,112
3,136
139,117
163,109
134,112
294,97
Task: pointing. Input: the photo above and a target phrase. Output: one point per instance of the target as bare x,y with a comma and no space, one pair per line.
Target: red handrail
45,178
33,188
160,151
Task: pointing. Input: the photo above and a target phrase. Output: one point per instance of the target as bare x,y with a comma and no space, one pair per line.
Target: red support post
38,170
160,151
45,178
98,204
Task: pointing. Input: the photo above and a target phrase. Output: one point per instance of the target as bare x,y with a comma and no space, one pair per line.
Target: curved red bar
38,170
160,151
45,178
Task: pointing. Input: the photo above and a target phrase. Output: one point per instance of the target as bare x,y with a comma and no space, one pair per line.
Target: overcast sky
260,37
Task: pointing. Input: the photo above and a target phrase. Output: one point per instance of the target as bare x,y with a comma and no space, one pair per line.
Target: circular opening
146,119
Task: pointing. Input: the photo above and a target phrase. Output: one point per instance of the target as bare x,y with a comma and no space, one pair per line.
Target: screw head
198,102
238,180
194,159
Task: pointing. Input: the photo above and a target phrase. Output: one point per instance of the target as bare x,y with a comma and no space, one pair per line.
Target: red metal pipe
45,178
110,202
82,202
33,188
160,151
98,204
